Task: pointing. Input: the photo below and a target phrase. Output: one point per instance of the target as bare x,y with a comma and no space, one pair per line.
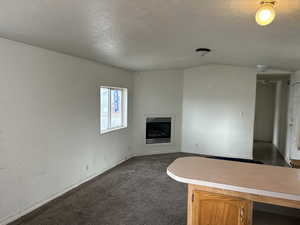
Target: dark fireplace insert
158,130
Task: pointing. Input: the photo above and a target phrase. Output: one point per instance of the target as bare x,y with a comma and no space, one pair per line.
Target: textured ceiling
157,34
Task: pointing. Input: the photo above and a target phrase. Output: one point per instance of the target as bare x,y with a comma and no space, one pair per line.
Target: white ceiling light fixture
262,68
266,13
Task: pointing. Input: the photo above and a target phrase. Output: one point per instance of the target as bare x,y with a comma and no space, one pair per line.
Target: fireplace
158,130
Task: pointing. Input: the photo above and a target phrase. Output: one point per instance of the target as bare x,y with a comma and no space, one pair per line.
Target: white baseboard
17,215
216,155
153,153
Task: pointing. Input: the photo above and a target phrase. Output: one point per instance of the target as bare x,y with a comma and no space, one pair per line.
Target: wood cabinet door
215,209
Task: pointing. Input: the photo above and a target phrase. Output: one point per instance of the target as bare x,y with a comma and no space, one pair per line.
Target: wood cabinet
222,192
207,208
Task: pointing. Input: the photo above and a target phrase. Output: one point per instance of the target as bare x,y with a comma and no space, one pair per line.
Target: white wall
49,125
284,118
293,140
49,119
157,93
218,110
264,111
281,120
277,114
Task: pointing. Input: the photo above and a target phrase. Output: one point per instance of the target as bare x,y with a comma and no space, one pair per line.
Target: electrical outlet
87,167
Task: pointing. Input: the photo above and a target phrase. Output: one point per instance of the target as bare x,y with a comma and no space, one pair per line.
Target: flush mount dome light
261,68
266,13
203,51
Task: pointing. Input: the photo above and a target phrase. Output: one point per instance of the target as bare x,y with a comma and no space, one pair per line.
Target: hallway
268,154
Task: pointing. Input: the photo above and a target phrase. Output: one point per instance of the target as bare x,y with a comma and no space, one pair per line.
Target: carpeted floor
138,192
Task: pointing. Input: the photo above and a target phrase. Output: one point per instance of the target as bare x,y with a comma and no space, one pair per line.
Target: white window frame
124,109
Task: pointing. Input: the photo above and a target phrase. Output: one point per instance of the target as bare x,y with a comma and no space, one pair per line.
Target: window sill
112,130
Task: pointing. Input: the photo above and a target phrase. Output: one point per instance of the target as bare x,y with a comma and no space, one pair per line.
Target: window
113,108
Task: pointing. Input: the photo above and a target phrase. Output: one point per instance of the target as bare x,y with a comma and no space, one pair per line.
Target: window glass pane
116,108
104,108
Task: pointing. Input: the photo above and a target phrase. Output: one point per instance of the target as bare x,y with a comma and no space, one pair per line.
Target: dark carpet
137,192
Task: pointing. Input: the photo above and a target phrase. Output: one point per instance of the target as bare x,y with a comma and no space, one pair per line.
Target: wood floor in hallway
268,154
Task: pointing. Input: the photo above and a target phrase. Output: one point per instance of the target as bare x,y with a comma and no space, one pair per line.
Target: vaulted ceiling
157,34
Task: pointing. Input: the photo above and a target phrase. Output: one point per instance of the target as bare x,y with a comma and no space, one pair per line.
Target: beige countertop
271,181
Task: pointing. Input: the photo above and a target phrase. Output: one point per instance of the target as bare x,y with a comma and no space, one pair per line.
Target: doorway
270,124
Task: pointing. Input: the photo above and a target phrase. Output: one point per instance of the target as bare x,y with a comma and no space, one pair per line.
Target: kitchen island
222,192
